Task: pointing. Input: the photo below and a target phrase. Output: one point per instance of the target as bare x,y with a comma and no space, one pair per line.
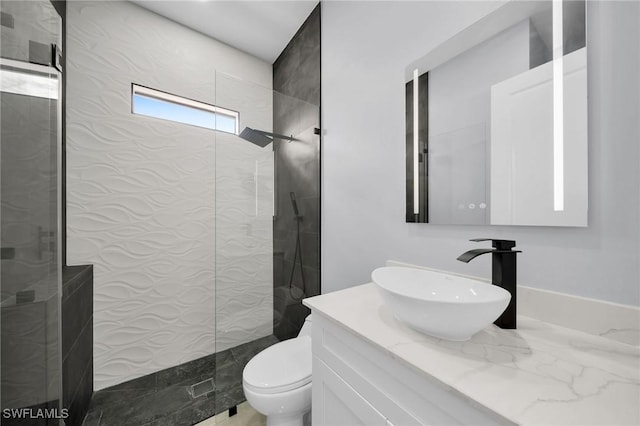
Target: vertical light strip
416,142
558,108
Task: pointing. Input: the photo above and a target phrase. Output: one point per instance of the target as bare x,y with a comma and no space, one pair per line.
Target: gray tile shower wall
296,112
296,72
77,341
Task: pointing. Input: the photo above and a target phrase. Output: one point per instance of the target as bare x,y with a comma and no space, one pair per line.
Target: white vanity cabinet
358,383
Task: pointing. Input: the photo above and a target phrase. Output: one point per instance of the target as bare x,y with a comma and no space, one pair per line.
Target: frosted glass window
154,103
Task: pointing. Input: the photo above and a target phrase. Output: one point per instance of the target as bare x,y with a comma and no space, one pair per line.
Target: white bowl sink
438,304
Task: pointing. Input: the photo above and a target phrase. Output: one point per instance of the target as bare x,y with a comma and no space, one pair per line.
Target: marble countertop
538,374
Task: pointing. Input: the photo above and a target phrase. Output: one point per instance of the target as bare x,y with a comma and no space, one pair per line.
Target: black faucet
503,273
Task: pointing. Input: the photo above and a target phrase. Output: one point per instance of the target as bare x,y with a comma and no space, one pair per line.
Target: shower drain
201,388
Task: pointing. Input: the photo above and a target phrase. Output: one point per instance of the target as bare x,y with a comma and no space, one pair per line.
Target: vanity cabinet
358,383
340,403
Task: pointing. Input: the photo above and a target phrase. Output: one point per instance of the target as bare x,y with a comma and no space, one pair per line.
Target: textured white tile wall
141,192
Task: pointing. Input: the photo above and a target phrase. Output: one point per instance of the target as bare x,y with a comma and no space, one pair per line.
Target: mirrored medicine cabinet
496,121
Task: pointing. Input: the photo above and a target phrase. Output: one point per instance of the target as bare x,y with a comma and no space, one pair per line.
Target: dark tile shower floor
166,397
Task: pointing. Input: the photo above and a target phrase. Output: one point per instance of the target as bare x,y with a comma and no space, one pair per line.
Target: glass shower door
30,280
266,226
244,172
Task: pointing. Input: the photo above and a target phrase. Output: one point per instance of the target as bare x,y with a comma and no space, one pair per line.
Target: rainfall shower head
261,138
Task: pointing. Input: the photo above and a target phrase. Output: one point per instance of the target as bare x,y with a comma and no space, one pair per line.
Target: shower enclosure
30,194
187,292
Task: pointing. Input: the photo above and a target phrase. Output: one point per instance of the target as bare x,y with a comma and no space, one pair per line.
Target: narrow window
154,103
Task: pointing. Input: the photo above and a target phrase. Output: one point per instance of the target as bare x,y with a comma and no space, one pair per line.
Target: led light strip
416,141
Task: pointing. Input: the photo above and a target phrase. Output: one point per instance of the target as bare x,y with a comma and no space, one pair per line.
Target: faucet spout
467,256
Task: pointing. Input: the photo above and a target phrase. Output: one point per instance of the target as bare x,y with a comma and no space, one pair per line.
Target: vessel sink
439,304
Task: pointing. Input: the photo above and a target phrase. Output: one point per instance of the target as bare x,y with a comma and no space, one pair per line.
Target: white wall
365,48
141,192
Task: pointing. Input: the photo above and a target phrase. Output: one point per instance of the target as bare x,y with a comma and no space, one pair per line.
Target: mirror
496,121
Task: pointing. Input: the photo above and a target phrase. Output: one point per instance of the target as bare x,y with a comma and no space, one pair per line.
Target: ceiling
260,28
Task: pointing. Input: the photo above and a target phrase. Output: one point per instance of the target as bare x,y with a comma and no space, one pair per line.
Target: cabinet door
335,403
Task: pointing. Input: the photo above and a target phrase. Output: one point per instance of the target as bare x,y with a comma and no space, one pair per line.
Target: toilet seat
280,368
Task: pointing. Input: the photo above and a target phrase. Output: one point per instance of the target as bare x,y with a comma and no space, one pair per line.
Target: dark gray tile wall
296,112
77,341
296,72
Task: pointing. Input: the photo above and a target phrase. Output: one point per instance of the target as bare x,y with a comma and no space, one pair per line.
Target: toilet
277,381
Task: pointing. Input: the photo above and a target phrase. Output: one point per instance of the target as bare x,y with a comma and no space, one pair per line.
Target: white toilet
277,381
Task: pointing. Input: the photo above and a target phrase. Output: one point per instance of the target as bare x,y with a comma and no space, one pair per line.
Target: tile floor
167,397
246,416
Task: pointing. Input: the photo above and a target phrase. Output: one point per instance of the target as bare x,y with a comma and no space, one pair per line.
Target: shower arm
274,135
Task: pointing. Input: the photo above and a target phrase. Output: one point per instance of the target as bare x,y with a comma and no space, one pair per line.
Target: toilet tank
306,327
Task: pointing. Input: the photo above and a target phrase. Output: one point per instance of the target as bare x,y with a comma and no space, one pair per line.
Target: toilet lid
281,367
